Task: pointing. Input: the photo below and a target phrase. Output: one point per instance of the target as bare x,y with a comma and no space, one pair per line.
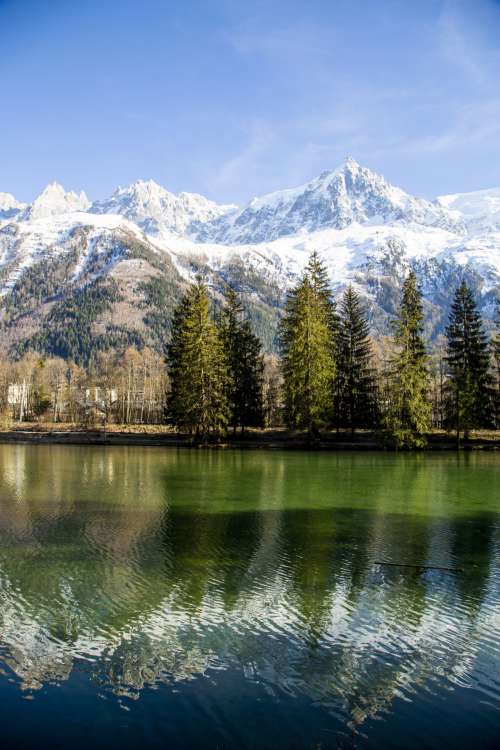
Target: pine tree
496,365
198,368
355,386
178,397
318,276
246,365
308,349
320,283
469,401
408,415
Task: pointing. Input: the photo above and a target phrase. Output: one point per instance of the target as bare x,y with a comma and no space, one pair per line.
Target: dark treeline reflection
145,566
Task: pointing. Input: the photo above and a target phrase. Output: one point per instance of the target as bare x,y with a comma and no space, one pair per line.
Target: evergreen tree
469,401
408,415
320,283
246,365
355,387
318,276
496,365
198,368
308,349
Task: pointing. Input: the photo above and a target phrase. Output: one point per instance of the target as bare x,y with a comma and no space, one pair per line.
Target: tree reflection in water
143,567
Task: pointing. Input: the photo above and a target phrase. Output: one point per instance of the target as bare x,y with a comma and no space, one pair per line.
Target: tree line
330,375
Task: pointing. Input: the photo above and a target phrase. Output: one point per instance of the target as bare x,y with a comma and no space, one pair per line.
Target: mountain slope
480,210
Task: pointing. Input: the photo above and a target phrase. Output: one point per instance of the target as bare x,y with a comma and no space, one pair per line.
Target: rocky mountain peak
9,206
55,200
334,200
158,211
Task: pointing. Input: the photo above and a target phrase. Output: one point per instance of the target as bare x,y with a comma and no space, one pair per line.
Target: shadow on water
210,599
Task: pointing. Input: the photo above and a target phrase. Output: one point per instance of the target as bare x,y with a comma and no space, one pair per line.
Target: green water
206,599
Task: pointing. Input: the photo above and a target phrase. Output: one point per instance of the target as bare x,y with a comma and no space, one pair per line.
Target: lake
163,598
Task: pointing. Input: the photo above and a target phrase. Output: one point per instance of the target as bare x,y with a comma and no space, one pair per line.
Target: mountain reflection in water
142,568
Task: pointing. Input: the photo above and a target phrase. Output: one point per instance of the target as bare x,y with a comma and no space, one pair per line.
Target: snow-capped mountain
9,207
479,209
53,201
75,275
160,212
334,200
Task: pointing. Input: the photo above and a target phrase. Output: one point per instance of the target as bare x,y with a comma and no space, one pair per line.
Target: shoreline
251,440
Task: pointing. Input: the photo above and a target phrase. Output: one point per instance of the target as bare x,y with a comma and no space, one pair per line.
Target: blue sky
233,99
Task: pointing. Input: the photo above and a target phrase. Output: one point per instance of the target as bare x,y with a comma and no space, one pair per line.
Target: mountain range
79,277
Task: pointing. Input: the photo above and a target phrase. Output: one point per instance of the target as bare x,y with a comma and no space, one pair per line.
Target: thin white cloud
473,124
288,43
